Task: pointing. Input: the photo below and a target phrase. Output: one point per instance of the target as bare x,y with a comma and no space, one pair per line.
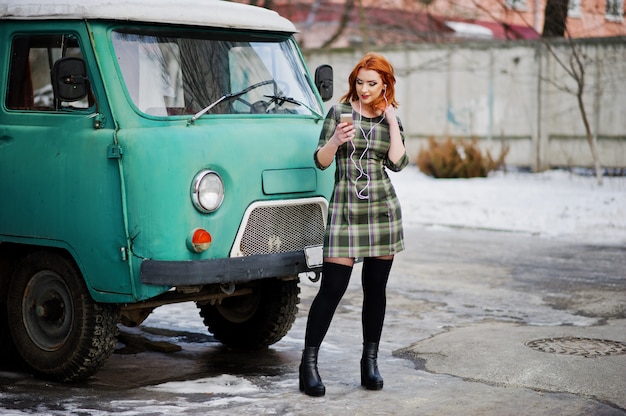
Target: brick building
406,21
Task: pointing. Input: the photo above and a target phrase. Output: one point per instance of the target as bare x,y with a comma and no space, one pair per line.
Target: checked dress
370,225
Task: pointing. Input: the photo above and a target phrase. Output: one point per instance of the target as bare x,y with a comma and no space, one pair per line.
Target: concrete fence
519,93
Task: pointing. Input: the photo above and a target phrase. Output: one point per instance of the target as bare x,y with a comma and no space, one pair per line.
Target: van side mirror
324,81
69,79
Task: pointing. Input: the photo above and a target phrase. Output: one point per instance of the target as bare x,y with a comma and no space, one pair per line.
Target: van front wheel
59,331
256,320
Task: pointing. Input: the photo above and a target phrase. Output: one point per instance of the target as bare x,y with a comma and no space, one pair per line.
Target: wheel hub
46,318
52,310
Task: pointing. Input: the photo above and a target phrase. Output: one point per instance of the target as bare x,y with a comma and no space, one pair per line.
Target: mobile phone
346,118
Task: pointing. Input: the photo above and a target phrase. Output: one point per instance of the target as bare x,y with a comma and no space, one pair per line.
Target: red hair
376,62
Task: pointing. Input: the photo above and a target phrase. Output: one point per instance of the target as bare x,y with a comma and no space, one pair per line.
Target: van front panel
238,104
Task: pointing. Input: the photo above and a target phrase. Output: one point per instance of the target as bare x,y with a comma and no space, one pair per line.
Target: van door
59,173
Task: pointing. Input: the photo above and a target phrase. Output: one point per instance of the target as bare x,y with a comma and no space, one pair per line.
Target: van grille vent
281,229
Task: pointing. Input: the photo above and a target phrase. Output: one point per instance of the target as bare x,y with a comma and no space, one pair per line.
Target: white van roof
210,13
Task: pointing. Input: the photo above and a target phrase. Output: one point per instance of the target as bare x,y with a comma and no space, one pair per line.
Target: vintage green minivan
153,152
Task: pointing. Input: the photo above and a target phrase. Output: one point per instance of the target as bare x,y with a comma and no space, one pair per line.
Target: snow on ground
552,204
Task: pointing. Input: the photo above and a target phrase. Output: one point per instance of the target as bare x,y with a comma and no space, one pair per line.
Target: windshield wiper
228,97
281,99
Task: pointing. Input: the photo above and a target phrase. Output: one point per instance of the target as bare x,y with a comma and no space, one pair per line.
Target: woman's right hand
344,132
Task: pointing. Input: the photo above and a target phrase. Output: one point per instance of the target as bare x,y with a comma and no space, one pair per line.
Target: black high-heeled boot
370,377
310,381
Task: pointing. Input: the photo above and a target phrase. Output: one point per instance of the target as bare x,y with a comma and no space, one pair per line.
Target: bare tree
343,23
575,68
365,36
555,18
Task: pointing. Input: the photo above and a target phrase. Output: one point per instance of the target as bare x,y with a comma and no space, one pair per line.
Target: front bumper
226,270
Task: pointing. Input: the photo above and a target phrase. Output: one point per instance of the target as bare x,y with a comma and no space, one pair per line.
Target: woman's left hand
390,113
396,145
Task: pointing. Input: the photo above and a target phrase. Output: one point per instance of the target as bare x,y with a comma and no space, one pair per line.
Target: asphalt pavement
558,326
478,323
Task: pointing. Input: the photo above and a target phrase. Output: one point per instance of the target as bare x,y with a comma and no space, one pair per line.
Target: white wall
515,92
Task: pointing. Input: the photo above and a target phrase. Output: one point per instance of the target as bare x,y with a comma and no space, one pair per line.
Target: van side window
30,81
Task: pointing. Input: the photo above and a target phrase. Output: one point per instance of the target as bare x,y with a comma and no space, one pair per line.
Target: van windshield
168,74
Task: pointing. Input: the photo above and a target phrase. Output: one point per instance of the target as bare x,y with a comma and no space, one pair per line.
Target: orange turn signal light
200,240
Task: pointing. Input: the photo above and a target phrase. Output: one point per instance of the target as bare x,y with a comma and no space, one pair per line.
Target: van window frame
209,34
26,98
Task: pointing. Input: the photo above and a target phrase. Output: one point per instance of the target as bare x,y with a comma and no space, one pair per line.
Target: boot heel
310,381
371,383
370,377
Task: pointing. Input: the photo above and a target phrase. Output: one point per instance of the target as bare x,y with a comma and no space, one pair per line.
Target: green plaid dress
359,227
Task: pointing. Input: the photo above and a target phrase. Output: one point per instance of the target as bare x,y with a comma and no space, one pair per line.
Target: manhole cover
586,347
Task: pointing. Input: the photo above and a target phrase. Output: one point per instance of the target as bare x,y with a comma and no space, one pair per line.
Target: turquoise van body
151,155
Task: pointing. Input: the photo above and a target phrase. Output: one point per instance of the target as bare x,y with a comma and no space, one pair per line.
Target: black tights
335,279
374,280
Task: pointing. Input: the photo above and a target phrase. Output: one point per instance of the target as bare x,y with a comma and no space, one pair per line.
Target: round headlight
207,191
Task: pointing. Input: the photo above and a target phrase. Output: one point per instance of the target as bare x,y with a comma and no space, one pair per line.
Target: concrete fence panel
522,94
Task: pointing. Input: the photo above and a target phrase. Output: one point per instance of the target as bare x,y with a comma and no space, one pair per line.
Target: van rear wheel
256,320
57,328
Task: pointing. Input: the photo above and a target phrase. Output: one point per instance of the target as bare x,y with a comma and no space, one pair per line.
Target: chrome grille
282,228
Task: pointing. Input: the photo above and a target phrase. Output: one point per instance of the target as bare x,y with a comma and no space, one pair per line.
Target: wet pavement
478,323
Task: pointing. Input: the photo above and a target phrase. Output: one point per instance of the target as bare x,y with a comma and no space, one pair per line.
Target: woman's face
369,85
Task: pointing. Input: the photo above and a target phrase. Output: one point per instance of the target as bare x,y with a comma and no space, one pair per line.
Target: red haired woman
364,218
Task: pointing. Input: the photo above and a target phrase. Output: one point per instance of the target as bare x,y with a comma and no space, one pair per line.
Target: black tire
6,344
57,328
257,320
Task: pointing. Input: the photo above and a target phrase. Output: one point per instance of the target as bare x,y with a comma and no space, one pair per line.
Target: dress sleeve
327,132
404,160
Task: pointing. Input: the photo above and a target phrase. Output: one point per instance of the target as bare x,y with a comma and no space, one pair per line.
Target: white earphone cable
362,173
